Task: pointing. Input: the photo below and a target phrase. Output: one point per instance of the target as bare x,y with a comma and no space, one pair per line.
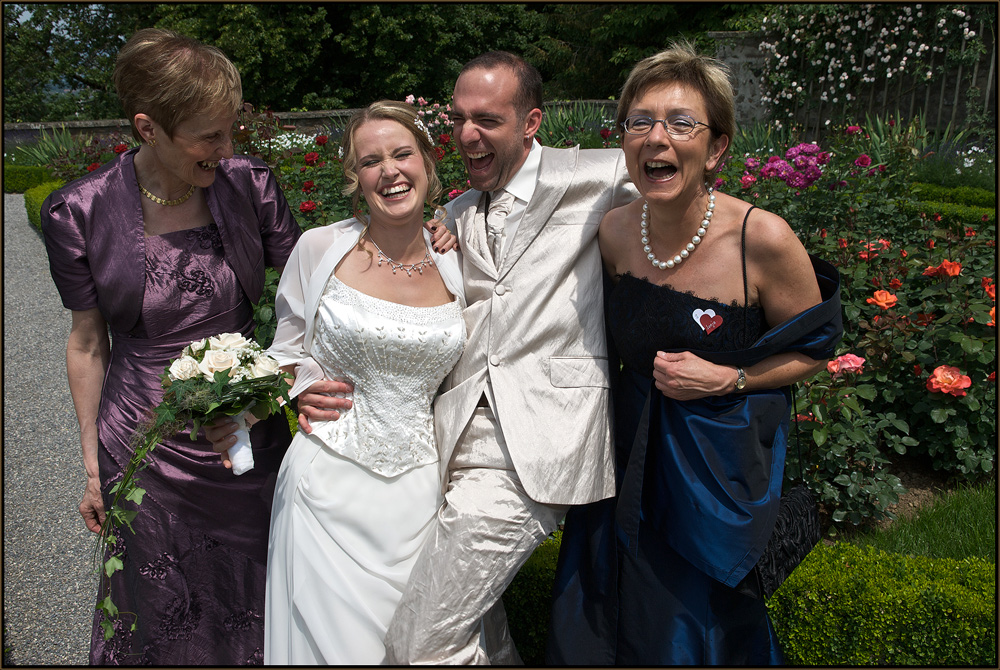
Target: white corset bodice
396,356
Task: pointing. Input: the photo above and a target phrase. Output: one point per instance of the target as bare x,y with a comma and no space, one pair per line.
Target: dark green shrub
953,216
847,605
961,195
33,199
528,601
19,178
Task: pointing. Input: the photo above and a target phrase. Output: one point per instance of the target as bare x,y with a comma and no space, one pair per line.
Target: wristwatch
741,379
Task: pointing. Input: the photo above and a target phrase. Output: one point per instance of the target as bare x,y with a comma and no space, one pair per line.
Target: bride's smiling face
391,171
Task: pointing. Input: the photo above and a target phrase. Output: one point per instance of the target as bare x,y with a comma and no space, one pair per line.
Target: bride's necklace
695,241
161,201
408,267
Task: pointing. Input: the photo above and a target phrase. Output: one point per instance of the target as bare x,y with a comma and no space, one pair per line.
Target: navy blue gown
663,574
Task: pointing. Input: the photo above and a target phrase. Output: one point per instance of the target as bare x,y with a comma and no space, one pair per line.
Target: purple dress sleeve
254,219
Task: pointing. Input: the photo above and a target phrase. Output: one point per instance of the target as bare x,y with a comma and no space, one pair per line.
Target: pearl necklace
161,201
695,241
409,268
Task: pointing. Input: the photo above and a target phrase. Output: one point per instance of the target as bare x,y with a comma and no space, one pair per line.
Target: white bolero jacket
303,281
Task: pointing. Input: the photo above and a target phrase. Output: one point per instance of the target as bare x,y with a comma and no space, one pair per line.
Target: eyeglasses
677,125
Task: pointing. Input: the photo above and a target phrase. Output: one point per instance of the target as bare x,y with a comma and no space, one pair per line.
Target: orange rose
883,299
949,269
948,379
993,317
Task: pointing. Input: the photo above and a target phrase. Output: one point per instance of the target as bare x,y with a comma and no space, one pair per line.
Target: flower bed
916,370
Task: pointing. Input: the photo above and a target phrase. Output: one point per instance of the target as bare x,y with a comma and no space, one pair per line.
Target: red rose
311,158
308,186
121,148
992,377
863,161
307,206
895,283
439,152
322,139
605,133
842,243
444,138
930,244
822,233
902,253
917,370
969,232
948,379
93,166
883,299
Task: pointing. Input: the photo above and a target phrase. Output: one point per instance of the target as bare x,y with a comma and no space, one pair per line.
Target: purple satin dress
194,572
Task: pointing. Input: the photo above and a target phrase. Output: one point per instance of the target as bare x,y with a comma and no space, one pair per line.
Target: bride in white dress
372,305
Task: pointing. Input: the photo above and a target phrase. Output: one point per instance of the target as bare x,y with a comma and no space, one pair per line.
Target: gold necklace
161,201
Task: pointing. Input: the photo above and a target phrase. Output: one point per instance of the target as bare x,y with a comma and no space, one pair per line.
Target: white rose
215,360
195,348
228,341
264,366
184,367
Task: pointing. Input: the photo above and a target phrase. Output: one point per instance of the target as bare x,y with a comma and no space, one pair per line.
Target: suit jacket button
500,289
494,360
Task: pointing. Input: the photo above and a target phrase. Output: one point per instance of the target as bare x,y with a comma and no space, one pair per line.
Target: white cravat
501,202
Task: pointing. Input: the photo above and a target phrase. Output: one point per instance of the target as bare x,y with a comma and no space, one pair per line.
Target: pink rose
845,363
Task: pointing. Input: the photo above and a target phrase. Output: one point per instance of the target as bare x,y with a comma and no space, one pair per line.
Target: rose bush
918,297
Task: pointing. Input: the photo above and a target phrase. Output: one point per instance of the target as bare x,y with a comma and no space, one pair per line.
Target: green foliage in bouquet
214,377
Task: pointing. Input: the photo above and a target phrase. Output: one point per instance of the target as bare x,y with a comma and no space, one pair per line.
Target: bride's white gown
355,499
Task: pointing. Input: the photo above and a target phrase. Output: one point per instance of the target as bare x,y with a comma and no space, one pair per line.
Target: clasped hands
684,376
320,402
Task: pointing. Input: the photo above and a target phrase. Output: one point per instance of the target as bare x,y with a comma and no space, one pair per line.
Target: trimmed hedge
849,605
956,217
844,605
528,601
33,199
960,195
19,178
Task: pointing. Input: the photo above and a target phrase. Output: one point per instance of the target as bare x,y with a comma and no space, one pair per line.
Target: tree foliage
58,58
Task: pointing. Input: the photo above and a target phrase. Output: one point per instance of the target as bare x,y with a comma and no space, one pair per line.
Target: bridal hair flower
222,375
420,124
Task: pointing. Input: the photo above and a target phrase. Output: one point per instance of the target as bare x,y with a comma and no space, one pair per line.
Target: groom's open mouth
480,160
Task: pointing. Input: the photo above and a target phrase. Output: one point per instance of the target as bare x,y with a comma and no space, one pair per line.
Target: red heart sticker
710,323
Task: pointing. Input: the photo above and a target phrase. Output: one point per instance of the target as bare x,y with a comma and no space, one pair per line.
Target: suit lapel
555,173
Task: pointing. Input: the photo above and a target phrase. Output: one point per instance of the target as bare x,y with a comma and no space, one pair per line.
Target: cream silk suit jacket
536,330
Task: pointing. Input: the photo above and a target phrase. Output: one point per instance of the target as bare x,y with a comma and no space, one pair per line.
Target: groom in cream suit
523,424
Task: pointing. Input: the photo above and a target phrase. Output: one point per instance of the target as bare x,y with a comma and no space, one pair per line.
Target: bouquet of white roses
223,375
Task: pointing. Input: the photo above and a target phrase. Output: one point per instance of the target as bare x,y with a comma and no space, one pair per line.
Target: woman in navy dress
165,245
712,307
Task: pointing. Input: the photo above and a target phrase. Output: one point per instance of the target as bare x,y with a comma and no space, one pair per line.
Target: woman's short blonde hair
173,78
406,116
681,64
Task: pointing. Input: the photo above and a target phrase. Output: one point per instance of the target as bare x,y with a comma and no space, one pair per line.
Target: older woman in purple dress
164,245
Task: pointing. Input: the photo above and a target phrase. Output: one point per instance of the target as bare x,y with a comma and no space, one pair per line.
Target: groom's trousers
485,531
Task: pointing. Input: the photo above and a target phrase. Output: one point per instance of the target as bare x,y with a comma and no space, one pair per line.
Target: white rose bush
221,376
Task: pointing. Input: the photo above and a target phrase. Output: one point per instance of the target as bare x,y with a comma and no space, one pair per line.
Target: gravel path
48,579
